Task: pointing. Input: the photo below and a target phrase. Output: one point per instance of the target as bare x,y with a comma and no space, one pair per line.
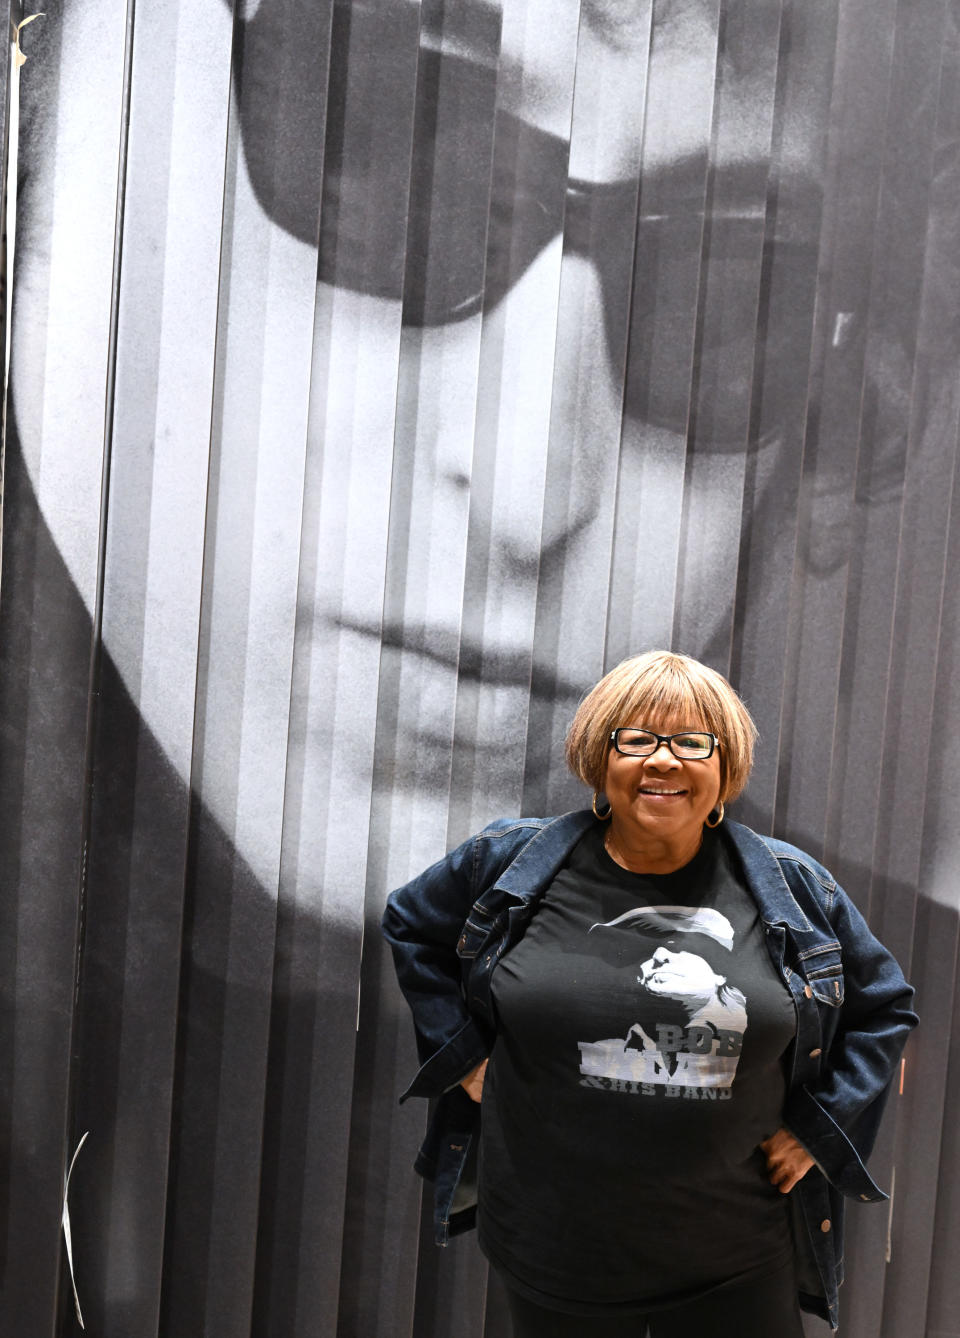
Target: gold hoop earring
602,816
718,819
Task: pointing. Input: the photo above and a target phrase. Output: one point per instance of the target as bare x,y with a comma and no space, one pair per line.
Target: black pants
764,1308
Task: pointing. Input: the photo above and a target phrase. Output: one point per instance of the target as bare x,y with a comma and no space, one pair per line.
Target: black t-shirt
638,1064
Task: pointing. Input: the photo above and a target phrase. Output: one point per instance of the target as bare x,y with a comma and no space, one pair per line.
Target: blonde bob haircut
656,687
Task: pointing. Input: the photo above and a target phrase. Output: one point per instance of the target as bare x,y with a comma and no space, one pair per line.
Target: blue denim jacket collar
525,877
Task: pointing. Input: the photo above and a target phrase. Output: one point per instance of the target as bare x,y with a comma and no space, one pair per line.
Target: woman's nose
662,757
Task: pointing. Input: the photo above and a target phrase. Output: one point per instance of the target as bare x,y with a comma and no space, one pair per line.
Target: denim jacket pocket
475,932
822,969
827,985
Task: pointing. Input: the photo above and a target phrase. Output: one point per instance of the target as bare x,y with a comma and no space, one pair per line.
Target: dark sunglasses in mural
707,277
450,231
688,746
461,256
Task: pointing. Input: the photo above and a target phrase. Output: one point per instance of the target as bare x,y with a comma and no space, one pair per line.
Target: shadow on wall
212,1064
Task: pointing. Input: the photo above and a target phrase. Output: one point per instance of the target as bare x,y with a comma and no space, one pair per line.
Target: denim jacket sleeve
837,1116
423,922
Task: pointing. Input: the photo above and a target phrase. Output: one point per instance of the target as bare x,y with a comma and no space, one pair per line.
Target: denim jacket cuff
459,1056
830,1147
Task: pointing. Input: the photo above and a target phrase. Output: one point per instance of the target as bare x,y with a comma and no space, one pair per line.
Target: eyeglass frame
665,739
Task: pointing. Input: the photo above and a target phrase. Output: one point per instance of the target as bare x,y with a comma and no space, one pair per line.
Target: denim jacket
449,927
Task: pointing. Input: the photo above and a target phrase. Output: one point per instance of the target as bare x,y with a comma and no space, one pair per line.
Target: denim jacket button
808,991
815,1053
825,1224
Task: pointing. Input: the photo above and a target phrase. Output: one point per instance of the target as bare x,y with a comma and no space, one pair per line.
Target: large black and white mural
383,371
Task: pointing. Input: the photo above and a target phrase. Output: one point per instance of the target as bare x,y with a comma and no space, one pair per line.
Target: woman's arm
874,1022
423,923
840,1112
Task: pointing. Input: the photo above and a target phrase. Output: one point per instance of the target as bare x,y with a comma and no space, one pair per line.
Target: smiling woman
661,788
653,978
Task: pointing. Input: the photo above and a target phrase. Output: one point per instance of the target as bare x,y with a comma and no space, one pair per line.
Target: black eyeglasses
688,746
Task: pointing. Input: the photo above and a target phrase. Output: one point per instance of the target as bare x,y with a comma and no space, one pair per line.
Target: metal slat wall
125,1037
63,368
382,372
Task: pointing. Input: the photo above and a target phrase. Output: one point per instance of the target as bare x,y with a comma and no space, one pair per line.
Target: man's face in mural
551,414
505,482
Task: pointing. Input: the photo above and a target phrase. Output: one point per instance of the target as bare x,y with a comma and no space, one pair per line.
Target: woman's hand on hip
787,1160
472,1084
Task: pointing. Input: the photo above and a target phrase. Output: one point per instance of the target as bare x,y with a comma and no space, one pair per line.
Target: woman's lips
662,796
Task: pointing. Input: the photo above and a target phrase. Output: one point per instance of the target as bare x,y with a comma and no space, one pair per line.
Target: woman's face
661,798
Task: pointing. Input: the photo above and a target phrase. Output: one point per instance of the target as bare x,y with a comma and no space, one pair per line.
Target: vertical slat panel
938,947
932,1207
451,170
450,198
374,61
251,573
894,594
614,81
890,375
326,829
725,350
69,164
898,856
173,204
358,363
827,499
281,73
788,287
499,654
933,1210
852,537
918,590
9,15
663,313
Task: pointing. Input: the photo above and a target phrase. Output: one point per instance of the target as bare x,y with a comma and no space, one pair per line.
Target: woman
690,1031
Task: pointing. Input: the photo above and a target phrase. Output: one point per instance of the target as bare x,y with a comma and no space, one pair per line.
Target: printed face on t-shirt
689,1022
684,976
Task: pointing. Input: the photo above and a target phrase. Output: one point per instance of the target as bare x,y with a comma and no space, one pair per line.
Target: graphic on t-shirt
690,1019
